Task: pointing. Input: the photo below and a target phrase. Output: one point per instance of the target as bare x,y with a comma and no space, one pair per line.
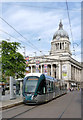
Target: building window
60,46
55,74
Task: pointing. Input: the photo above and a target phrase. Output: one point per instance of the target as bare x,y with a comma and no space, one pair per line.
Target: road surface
66,106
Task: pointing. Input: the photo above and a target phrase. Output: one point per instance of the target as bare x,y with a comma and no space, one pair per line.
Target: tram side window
54,86
49,86
57,87
65,86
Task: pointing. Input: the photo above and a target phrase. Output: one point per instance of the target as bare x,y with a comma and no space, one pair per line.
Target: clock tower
60,44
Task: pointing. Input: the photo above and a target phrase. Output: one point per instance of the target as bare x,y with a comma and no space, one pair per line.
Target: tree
13,63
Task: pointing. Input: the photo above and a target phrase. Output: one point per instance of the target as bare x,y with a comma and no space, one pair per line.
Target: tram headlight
32,97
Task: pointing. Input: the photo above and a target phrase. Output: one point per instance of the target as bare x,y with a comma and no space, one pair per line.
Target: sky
37,22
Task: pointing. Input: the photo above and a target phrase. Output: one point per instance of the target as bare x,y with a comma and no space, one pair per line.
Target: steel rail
22,113
60,116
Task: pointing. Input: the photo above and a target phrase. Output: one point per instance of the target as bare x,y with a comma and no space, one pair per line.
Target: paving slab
6,103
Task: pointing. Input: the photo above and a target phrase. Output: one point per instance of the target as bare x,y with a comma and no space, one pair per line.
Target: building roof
60,32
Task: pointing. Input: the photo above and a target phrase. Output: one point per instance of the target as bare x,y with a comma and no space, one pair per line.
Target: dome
60,32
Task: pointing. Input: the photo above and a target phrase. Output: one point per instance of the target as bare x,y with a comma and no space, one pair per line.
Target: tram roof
39,74
34,74
50,78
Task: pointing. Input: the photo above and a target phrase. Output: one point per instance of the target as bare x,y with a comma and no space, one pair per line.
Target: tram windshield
30,84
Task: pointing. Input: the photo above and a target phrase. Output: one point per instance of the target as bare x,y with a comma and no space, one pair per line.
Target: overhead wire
19,33
16,38
58,9
20,40
44,7
70,26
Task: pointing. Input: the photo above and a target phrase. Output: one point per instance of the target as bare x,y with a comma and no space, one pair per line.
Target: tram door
42,88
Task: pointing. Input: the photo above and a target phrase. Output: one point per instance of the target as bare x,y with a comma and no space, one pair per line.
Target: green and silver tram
40,88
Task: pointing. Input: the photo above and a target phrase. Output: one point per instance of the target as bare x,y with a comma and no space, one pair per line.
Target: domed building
59,63
60,43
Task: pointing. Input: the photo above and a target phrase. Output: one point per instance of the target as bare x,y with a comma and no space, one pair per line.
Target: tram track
62,109
60,116
13,108
22,112
33,107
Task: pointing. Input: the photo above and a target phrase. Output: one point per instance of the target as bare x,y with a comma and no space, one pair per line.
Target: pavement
6,103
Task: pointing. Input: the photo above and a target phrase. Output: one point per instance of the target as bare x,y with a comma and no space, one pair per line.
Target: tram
39,88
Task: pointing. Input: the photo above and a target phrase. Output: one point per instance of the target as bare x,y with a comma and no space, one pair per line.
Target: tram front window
30,84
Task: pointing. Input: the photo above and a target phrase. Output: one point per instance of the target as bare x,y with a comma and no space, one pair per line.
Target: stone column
55,47
75,73
51,70
31,68
80,76
59,70
41,68
59,45
68,85
64,45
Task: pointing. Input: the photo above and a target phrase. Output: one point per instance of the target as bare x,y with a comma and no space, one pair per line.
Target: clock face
58,37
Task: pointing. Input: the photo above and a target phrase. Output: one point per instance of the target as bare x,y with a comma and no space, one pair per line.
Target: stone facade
60,63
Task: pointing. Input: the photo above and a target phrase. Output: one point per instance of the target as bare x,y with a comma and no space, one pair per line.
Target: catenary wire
52,8
45,7
16,38
70,26
19,33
